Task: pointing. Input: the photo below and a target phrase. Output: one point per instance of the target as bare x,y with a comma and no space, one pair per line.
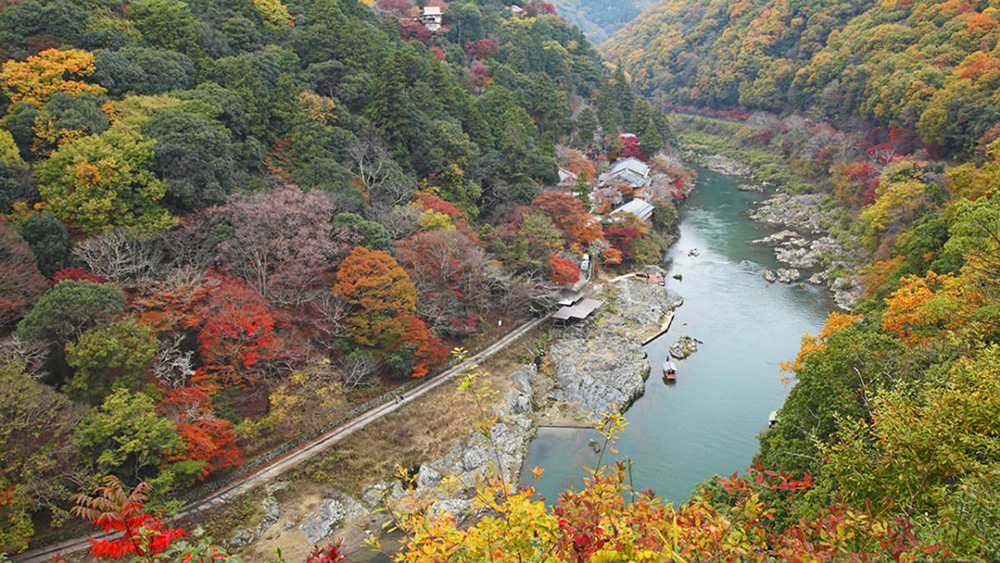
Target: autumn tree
380,293
208,439
109,357
21,284
447,269
237,341
103,181
121,513
282,243
563,271
566,212
925,309
39,77
623,234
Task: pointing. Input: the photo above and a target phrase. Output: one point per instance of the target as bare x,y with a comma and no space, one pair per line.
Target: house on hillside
517,11
567,179
631,171
432,18
638,207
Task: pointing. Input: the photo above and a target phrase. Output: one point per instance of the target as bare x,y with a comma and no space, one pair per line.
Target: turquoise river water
707,422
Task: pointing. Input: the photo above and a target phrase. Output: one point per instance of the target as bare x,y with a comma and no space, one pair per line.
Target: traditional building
567,179
638,207
432,18
631,171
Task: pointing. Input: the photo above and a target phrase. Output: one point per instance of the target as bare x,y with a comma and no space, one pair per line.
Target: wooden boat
669,370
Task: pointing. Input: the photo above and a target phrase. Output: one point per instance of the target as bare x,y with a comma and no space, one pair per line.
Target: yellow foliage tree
835,323
274,13
36,79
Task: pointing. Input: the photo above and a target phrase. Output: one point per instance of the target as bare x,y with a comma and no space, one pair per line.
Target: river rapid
707,422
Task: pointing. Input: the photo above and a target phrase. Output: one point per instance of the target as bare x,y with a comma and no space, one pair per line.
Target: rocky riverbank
601,363
588,368
805,243
719,163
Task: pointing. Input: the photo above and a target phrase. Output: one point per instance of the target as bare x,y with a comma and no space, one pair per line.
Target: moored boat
669,369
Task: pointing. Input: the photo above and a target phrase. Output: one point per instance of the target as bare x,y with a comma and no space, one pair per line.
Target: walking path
304,453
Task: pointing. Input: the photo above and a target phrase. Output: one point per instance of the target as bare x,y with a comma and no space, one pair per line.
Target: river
707,422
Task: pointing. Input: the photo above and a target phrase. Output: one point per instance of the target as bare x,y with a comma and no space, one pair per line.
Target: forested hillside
229,223
889,112
925,68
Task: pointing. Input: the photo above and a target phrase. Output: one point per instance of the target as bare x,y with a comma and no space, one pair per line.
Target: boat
669,370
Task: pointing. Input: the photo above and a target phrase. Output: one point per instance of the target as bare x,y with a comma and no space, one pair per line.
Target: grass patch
246,511
425,430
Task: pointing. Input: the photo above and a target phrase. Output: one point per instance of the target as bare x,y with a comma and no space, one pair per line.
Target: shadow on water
707,423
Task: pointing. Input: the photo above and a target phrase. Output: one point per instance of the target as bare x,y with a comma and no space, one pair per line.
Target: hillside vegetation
228,224
925,68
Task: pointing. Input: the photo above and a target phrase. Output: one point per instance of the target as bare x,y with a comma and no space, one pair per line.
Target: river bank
808,243
562,376
582,371
706,422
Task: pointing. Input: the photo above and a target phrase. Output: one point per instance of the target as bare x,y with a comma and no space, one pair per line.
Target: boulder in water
789,275
770,276
684,347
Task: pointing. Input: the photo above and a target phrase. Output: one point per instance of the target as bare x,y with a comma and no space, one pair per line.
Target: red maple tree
116,511
563,270
207,437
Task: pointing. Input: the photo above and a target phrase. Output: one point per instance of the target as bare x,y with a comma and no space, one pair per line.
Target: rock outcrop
602,363
332,512
788,275
805,214
645,304
270,510
720,164
683,347
599,368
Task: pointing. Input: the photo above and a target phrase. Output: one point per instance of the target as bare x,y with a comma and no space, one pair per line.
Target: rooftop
638,207
580,311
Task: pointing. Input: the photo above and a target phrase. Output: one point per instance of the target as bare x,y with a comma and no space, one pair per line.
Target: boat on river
669,369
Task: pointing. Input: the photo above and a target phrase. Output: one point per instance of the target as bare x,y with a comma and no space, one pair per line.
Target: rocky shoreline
589,369
804,243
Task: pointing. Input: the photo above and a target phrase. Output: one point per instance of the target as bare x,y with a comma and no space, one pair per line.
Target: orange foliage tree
428,350
381,293
563,271
384,302
922,307
566,212
36,79
207,437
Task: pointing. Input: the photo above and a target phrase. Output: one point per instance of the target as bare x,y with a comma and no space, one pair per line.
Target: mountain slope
928,67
